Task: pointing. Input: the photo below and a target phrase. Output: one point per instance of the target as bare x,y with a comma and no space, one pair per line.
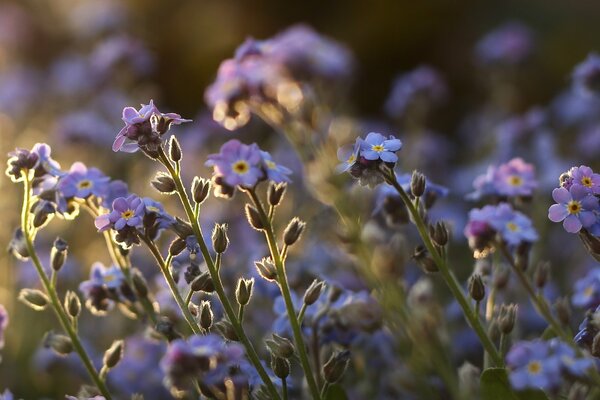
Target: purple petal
561,195
119,140
102,222
120,204
587,218
388,156
572,224
120,224
557,213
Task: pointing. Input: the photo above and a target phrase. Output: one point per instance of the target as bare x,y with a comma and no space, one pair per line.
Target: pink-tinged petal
561,195
120,224
572,224
557,213
130,147
129,113
587,218
102,222
119,140
388,156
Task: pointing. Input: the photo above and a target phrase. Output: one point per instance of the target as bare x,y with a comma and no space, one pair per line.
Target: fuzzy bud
494,330
18,245
417,184
200,189
292,232
61,344
42,210
203,283
58,254
176,246
114,354
72,304
254,218
336,366
313,292
439,233
541,275
507,318
164,183
226,330
425,262
266,269
563,310
280,366
182,229
219,238
139,283
206,315
275,193
280,346
243,292
591,243
174,149
476,287
34,298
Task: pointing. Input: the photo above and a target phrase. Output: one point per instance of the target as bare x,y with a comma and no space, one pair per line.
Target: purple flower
515,178
237,164
275,172
376,146
38,159
585,177
587,290
513,226
348,155
3,324
46,165
510,44
575,207
82,182
6,395
144,128
127,211
586,76
105,287
532,366
570,363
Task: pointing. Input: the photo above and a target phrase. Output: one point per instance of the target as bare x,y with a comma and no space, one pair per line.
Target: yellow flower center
574,207
586,181
270,164
534,367
127,214
512,226
515,180
241,167
588,291
351,159
109,278
84,184
378,148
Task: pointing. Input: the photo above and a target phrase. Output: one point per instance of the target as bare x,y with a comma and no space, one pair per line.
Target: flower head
423,85
575,208
126,217
275,172
348,155
377,147
81,182
237,164
515,178
510,44
582,176
105,287
533,366
587,291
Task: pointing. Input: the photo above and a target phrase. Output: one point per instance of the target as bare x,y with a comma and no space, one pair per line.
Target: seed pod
219,238
58,254
541,275
72,304
61,344
226,330
182,229
166,328
425,262
42,210
439,233
476,287
266,269
206,315
34,298
494,330
200,189
292,232
417,184
313,292
507,318
114,354
243,292
18,245
174,149
254,218
336,366
275,193
280,346
164,183
280,366
203,283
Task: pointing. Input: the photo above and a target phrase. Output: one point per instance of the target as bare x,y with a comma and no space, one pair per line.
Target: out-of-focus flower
105,287
586,76
38,159
587,291
3,324
533,366
515,178
571,364
378,147
117,50
82,182
275,172
95,17
510,44
19,89
575,208
588,329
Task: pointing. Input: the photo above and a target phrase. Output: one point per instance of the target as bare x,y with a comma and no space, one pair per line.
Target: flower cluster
543,365
105,287
515,178
510,44
576,200
587,291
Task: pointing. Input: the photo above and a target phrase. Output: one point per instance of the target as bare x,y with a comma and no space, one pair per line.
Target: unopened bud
226,330
177,246
313,292
522,255
507,318
174,149
164,183
417,184
58,254
206,315
139,283
113,355
275,193
254,218
591,242
72,304
18,245
266,269
203,283
476,287
61,344
563,310
439,233
34,298
150,153
425,262
293,231
494,330
200,189
336,366
541,275
334,294
41,212
243,292
219,238
280,366
182,229
280,346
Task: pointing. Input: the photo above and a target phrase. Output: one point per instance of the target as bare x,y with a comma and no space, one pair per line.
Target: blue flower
127,212
575,207
105,287
82,182
586,76
377,147
587,290
237,164
513,226
348,155
275,172
532,366
570,363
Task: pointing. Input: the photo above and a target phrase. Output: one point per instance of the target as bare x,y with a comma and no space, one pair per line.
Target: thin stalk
241,314
301,313
284,388
51,291
285,291
188,297
219,289
446,272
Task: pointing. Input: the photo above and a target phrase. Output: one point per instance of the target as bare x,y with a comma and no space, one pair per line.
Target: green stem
325,390
219,289
284,388
285,291
241,314
301,313
51,291
446,272
188,298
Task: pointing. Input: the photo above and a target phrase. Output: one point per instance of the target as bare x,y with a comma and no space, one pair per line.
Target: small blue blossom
575,208
533,366
514,227
587,291
237,164
275,172
586,76
570,363
348,155
82,182
105,287
512,179
582,176
127,211
377,147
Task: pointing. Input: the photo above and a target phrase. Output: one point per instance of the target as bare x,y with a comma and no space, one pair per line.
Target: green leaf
336,392
495,386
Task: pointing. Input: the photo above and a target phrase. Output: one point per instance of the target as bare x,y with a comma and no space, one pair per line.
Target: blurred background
67,69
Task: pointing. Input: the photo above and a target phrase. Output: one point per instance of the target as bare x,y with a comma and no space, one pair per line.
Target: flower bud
439,233
58,254
206,315
139,283
280,366
34,298
113,355
292,232
150,153
72,304
254,218
200,189
182,229
280,346
476,287
166,328
42,210
424,261
164,183
226,330
18,245
334,368
395,211
203,283
174,149
61,344
313,292
219,238
275,193
506,320
541,274
417,184
266,269
334,294
591,243
243,292
177,246
563,310
522,256
494,330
